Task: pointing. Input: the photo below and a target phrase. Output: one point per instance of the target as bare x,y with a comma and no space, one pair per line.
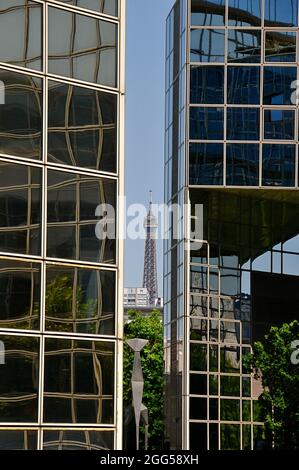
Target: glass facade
61,156
231,148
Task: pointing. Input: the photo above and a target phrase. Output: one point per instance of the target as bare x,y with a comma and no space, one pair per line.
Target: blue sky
144,118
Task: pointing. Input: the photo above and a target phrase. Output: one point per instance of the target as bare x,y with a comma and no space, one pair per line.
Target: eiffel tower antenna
150,254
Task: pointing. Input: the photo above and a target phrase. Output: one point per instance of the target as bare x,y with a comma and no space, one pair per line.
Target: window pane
207,45
82,47
244,13
281,14
243,124
198,384
206,123
206,164
244,46
20,19
207,85
198,436
20,208
69,439
279,124
80,300
21,115
79,381
72,223
280,46
278,165
198,357
230,386
198,408
82,127
208,13
18,439
230,436
230,359
19,294
109,7
230,410
277,85
243,85
242,164
19,379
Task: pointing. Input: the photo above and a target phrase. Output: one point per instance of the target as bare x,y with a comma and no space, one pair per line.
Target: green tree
271,362
150,328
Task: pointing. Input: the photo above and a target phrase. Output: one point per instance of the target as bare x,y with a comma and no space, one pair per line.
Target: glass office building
231,148
61,155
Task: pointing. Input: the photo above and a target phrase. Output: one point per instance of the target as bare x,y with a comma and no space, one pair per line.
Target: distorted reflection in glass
230,436
281,14
82,127
70,439
206,123
244,13
243,124
243,85
18,439
244,45
80,300
206,85
207,45
21,115
278,165
20,208
21,33
79,381
278,85
72,203
279,124
82,47
242,164
280,46
206,164
19,294
19,379
208,13
109,7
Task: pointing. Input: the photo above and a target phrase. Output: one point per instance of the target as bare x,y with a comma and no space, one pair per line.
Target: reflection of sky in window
207,45
284,12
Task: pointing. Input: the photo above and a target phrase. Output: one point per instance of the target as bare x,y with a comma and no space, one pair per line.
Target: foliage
271,362
150,328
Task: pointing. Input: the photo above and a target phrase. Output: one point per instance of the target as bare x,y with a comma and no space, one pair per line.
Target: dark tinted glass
243,123
280,46
198,408
19,294
82,127
230,359
277,85
72,223
243,85
21,33
230,436
18,439
279,124
198,357
278,165
19,379
198,384
66,439
244,13
206,164
230,386
207,85
198,436
208,13
230,410
79,381
20,208
109,7
82,47
207,45
80,300
242,164
281,14
244,46
206,123
21,115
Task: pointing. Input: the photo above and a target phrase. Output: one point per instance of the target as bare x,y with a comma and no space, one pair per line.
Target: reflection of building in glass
232,147
61,156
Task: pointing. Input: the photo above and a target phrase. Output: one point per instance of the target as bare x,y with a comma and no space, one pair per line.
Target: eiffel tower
150,254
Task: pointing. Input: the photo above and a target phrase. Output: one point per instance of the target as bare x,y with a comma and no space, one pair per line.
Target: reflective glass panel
109,7
277,85
243,85
206,164
230,359
18,439
80,300
72,224
19,379
20,208
19,294
280,46
198,357
230,410
207,85
69,439
21,33
244,46
198,436
82,47
206,123
243,124
208,13
230,386
21,115
79,378
198,408
82,127
278,165
281,14
230,436
279,124
207,45
242,162
244,13
198,384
